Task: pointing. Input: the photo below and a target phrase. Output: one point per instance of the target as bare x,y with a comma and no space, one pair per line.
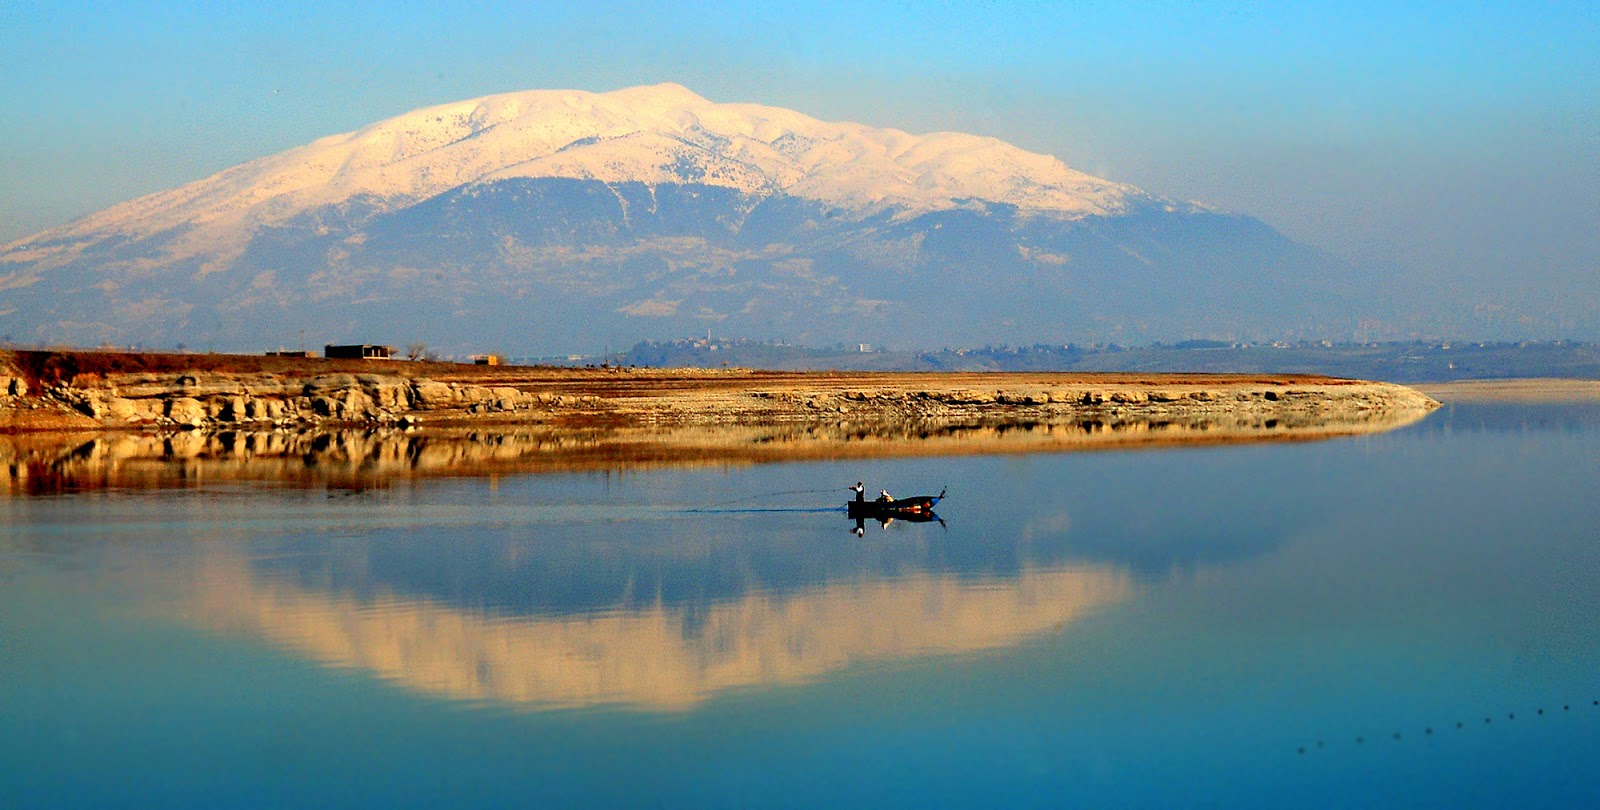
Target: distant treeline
1404,361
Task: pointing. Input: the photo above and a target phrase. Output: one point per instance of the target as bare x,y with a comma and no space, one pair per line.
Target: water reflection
1513,417
658,656
53,463
1119,629
885,520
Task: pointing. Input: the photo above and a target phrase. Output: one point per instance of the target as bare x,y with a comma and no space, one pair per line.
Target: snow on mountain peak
656,134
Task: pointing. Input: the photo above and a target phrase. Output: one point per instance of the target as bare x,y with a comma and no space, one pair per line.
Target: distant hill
556,221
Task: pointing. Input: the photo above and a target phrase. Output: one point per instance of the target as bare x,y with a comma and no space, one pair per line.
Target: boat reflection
660,656
885,519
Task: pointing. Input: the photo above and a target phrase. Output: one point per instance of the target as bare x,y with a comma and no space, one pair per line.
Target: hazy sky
1454,146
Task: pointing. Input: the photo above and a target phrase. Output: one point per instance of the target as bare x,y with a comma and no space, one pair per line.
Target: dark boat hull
904,508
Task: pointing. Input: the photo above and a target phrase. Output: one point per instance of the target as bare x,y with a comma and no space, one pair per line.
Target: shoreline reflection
58,463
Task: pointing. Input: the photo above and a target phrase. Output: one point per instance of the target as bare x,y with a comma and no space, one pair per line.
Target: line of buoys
1428,731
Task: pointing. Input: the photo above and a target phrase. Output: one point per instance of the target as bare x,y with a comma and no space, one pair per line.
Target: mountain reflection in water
664,609
659,656
51,463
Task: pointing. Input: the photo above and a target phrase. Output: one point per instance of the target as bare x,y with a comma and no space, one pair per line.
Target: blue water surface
1409,619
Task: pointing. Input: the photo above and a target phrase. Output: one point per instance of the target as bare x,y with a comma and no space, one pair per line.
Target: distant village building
486,359
864,348
291,353
358,351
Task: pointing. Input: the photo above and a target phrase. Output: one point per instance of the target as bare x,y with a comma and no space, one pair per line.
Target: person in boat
860,491
884,496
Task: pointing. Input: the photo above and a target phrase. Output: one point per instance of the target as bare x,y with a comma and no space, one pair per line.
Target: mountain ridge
543,221
534,129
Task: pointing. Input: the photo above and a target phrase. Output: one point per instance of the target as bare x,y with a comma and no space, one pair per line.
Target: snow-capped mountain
549,220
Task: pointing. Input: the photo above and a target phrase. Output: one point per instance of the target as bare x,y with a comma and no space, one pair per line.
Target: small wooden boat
913,508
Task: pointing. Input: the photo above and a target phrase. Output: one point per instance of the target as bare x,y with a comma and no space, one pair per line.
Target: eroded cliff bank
85,423
163,393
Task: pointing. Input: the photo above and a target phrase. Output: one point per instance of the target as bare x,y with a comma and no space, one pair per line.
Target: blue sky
1448,145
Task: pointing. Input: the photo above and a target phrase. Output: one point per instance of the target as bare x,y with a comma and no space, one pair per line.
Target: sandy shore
1519,390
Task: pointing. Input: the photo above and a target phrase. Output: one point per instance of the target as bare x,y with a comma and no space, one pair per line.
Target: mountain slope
549,221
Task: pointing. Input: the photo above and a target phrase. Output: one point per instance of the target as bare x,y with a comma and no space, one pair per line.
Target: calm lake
1404,619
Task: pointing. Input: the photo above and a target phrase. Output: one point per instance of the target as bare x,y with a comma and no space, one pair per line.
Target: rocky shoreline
357,425
376,394
211,402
